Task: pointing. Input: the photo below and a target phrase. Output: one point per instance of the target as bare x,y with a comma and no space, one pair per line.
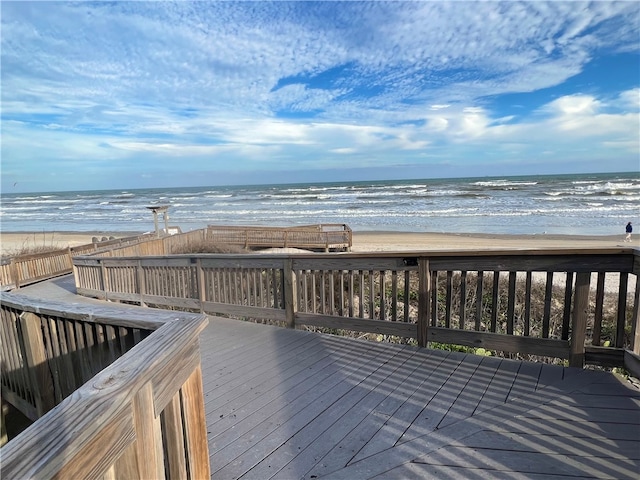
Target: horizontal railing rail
113,393
479,299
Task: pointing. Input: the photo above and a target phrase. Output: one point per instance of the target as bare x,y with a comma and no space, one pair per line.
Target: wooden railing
23,270
18,271
324,237
116,394
479,299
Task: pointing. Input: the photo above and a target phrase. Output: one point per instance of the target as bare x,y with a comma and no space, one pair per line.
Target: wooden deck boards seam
370,427
356,398
313,402
384,461
308,376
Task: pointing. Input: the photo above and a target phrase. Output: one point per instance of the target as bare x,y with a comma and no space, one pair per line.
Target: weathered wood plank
399,329
334,421
501,342
306,408
380,428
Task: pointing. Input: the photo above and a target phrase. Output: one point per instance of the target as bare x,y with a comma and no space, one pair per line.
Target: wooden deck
291,404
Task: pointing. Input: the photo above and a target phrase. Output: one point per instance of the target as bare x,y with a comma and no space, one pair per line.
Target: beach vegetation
207,246
538,311
35,244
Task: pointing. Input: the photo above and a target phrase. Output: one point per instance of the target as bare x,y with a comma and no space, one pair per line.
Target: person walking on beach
628,229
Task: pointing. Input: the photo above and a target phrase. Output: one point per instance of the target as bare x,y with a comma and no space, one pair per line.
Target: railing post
579,320
635,321
36,361
14,273
424,301
290,293
201,284
141,283
147,432
195,426
105,283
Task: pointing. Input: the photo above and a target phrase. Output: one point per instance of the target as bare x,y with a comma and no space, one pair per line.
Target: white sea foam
575,204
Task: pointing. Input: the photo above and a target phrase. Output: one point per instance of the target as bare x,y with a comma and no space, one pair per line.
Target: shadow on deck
292,404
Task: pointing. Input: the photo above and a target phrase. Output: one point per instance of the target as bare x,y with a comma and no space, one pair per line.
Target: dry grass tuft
35,245
208,246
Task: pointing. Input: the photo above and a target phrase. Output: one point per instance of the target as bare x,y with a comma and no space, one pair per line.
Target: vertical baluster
547,305
463,299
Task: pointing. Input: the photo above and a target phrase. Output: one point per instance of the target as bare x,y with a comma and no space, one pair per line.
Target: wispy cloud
269,86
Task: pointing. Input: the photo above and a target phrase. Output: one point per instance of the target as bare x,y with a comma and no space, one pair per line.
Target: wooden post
14,273
105,282
36,360
195,426
290,293
142,288
149,465
635,321
424,301
579,319
622,310
176,460
201,284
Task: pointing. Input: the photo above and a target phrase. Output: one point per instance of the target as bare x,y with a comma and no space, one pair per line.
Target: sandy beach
10,243
386,241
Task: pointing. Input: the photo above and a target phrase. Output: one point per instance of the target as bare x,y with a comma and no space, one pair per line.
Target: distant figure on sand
629,229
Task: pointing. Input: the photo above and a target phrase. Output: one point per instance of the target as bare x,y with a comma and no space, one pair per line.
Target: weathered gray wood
632,363
195,426
36,361
501,342
379,429
245,311
93,442
345,323
579,319
337,421
172,424
424,302
290,293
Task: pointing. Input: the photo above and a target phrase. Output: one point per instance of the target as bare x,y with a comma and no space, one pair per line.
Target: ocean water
588,204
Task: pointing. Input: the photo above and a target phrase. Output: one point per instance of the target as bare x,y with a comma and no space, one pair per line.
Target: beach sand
386,241
13,243
10,243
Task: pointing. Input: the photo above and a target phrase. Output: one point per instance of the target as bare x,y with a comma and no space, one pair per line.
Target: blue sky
160,94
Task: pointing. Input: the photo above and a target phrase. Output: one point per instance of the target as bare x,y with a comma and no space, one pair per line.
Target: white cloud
293,82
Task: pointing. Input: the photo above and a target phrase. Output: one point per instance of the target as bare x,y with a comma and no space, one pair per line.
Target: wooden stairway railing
140,416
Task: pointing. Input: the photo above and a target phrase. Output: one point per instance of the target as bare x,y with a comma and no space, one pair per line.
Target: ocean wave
503,183
46,201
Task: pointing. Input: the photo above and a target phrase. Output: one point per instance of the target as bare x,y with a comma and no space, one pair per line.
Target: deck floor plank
382,423
307,385
289,404
334,421
247,450
444,400
500,386
402,419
